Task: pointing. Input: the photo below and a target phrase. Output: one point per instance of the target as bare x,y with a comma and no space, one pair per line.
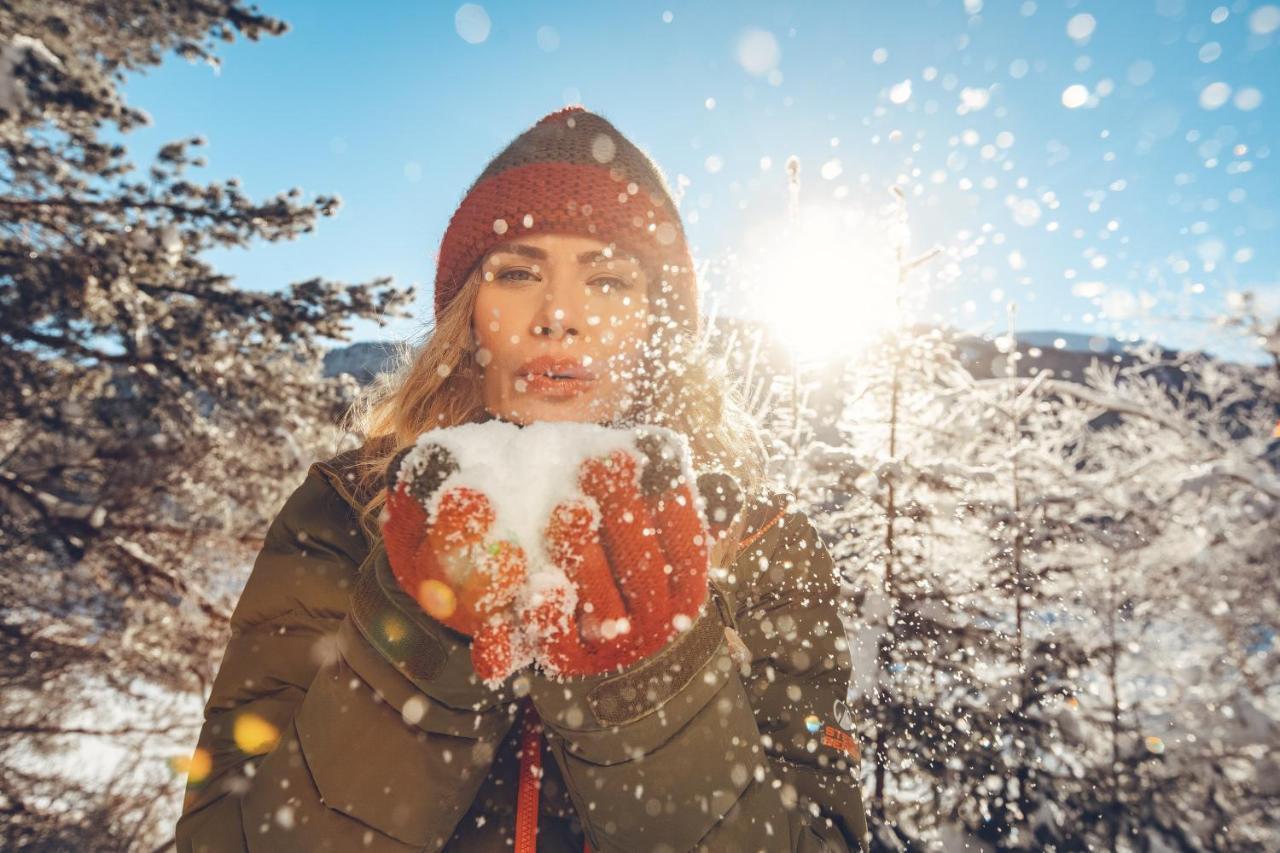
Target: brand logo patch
842,741
844,717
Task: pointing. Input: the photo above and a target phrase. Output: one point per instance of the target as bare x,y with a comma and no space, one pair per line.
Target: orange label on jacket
843,741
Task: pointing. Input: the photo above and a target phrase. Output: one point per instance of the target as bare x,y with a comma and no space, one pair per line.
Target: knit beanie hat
573,173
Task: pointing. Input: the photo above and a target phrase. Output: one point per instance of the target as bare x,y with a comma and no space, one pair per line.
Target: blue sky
1107,166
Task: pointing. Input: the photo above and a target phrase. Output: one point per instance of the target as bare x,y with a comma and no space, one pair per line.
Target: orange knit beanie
574,173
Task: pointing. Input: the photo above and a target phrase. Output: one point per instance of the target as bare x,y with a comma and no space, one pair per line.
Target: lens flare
824,280
254,735
195,767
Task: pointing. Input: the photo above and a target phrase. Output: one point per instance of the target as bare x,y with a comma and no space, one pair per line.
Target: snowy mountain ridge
365,359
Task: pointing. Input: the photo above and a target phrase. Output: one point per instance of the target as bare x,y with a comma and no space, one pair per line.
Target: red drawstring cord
746,543
531,783
531,755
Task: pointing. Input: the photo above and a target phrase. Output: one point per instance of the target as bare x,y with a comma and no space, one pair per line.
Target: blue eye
511,275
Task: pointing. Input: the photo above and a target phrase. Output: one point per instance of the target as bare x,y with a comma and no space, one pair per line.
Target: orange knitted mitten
638,553
442,555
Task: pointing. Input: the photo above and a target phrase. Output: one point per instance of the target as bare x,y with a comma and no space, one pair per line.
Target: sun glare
823,280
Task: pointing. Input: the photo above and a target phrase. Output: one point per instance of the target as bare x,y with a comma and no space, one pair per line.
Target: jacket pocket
401,763
670,797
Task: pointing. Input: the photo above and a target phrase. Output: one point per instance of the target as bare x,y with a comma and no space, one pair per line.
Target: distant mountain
363,360
755,358
1072,341
1039,351
1066,353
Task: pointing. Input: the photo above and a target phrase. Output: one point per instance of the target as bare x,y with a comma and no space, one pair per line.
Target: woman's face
561,322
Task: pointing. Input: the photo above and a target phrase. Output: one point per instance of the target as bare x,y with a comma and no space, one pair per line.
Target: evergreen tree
152,414
1023,505
1182,603
881,499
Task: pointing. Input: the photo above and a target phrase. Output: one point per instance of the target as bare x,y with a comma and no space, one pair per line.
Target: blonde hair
436,383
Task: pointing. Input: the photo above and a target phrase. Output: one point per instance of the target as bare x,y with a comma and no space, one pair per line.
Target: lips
556,368
557,376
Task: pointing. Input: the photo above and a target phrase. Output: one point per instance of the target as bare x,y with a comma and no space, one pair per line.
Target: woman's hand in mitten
441,554
641,572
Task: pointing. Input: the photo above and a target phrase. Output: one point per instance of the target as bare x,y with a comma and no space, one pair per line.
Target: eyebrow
589,257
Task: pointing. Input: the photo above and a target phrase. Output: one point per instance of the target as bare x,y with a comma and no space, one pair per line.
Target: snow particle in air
1141,72
1214,95
1248,99
1210,51
1264,20
1026,212
603,148
548,39
414,710
972,98
472,23
1074,96
758,52
1080,27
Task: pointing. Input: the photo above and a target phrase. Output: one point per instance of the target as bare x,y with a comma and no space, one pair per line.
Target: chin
552,409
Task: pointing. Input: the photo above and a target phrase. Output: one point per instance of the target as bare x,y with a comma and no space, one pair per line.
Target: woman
345,717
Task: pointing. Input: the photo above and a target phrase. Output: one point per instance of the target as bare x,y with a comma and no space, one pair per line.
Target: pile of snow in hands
526,472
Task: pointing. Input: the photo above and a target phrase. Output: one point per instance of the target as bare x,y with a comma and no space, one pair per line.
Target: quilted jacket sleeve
692,749
340,712
789,617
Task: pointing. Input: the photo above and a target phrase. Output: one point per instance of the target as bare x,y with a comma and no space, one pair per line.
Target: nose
562,308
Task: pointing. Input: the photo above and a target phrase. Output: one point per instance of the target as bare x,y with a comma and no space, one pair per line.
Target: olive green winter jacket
345,718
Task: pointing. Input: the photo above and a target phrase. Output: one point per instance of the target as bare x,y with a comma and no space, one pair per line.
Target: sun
823,280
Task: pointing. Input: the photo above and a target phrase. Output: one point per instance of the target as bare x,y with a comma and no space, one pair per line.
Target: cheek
496,321
624,328
634,318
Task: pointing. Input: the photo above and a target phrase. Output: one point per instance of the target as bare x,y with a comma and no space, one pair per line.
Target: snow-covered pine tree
152,413
883,496
1184,603
1167,742
1021,504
